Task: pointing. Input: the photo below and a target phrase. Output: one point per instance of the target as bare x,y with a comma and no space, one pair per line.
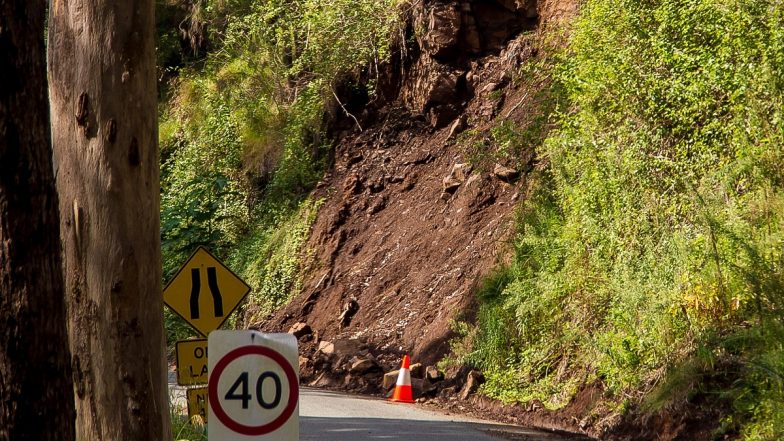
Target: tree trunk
36,389
104,127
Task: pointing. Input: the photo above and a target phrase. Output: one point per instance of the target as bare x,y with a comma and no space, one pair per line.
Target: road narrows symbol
212,282
217,299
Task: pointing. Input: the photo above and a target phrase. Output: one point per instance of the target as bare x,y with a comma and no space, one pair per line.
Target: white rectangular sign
253,386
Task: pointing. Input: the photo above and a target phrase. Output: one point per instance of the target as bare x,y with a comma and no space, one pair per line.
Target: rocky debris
326,347
362,366
303,362
456,128
456,177
389,379
300,330
443,31
417,370
381,226
490,87
347,313
326,379
347,346
378,205
505,174
432,374
352,185
428,253
421,387
473,380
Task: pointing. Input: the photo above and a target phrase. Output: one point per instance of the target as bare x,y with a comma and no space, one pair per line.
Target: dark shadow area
354,429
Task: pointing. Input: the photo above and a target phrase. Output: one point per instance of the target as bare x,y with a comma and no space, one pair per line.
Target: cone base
403,394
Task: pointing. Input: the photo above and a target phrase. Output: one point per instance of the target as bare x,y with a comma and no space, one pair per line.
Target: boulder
326,347
389,380
456,177
347,313
300,329
349,346
420,387
431,84
473,380
432,374
417,370
363,365
456,128
505,174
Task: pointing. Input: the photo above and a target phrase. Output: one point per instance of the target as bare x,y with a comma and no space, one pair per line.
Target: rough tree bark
36,390
104,127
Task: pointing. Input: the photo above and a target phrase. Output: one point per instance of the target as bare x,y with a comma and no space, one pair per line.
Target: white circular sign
253,388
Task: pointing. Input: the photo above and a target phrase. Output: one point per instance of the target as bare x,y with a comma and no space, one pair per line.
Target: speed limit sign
253,386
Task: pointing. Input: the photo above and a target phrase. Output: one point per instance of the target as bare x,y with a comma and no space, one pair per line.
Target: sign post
253,386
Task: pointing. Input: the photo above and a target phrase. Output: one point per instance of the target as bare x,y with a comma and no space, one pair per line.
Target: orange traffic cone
403,393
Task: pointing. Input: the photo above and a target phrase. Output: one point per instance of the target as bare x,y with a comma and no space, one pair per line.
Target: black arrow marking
217,299
195,290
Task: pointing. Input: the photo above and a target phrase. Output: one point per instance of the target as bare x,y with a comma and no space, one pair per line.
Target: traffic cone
403,393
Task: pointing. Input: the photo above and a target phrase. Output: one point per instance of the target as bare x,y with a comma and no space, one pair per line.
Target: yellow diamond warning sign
204,292
191,362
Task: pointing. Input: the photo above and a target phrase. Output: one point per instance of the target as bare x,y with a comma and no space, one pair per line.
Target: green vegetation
184,428
650,251
242,129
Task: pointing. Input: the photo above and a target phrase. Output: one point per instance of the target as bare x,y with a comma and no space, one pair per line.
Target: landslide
410,223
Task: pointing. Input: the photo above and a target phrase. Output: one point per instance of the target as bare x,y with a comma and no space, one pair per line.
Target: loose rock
349,309
456,177
457,127
363,366
300,329
473,380
433,374
389,380
417,370
505,174
326,347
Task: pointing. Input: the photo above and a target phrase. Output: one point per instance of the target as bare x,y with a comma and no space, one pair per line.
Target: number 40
245,397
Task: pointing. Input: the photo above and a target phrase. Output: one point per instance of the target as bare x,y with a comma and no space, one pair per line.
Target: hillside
583,203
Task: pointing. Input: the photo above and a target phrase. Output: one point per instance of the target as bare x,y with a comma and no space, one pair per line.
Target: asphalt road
331,416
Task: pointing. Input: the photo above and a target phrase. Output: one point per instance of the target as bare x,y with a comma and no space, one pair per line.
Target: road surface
331,416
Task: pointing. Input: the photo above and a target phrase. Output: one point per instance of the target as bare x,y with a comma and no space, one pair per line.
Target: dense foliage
650,253
242,128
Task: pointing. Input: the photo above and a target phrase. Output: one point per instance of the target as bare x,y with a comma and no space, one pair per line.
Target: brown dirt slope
389,241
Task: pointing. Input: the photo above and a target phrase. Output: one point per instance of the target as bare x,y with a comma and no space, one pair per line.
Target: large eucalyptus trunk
36,390
104,127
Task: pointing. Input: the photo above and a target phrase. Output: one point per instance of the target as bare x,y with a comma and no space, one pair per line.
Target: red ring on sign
217,410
